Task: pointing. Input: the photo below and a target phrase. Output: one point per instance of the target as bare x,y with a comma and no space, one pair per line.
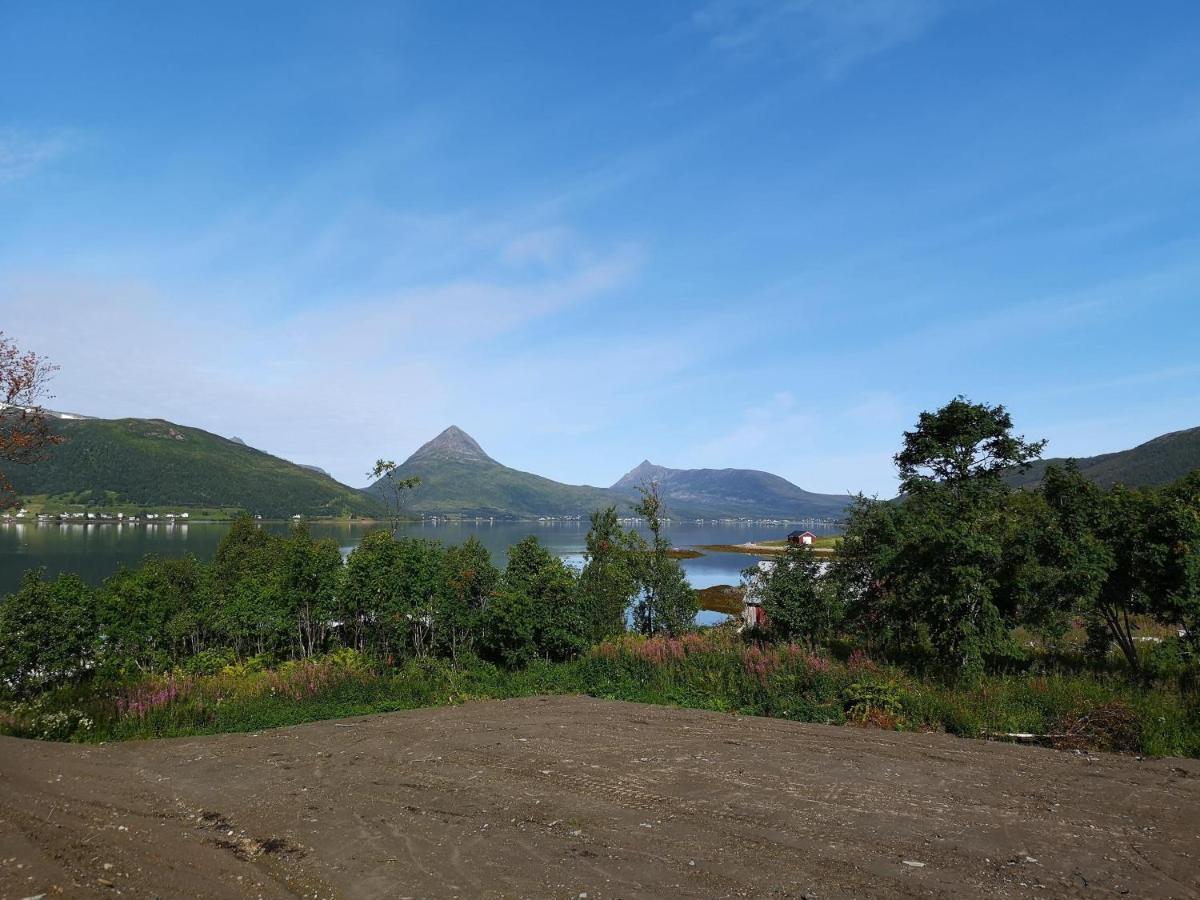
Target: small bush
873,701
208,662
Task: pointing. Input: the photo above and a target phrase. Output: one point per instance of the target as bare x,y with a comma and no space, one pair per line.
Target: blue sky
716,233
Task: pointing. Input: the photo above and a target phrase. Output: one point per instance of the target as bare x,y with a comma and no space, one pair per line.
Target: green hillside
458,478
1157,462
153,463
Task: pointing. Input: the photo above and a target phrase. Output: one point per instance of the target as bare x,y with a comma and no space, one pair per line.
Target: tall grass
714,670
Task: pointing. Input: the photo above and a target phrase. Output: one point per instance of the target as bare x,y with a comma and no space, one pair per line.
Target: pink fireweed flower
760,663
142,699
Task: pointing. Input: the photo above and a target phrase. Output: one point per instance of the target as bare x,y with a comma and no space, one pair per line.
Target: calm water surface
96,551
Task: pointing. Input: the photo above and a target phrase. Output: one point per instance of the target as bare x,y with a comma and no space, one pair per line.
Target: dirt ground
569,796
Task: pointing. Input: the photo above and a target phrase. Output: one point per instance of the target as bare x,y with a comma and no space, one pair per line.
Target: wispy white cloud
329,384
541,246
777,419
804,436
22,153
833,34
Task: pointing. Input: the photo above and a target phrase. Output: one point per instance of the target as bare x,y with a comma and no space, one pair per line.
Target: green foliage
667,604
47,634
369,592
248,609
508,633
799,604
927,574
310,575
609,580
479,486
865,700
392,488
537,612
157,612
1173,536
470,582
962,446
152,463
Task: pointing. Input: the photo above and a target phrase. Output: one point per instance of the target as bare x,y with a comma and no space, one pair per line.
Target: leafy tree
25,433
48,633
962,445
394,590
861,571
508,633
933,566
393,488
609,580
667,603
249,609
311,575
1110,557
559,626
419,591
156,614
471,581
953,546
370,605
798,603
1174,538
1028,584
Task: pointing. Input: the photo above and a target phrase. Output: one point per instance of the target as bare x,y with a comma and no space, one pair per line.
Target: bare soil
566,796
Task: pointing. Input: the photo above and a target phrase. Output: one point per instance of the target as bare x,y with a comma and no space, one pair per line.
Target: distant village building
801,537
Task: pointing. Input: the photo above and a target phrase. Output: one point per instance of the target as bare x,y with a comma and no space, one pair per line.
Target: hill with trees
1157,462
155,463
458,478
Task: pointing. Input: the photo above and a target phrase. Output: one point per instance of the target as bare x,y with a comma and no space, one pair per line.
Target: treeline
946,573
293,597
952,578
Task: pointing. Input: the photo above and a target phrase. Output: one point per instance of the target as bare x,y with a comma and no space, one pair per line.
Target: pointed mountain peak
453,442
640,474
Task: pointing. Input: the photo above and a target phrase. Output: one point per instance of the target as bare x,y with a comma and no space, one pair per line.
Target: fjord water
96,551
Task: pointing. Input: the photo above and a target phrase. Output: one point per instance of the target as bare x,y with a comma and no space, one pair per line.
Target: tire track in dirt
560,796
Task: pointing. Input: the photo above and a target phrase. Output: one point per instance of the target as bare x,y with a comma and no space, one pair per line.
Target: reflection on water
95,551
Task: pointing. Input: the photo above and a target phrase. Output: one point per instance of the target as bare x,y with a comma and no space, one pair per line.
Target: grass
749,550
712,670
821,545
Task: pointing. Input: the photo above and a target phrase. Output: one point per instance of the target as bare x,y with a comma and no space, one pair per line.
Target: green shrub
209,662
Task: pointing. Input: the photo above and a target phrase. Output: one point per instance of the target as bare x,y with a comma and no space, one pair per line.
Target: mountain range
153,463
732,492
459,478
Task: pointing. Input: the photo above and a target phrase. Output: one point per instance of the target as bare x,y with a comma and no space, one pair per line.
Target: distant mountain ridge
1159,461
459,478
734,492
